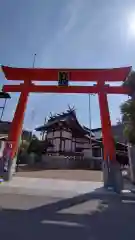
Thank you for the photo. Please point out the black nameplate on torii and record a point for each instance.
(63, 78)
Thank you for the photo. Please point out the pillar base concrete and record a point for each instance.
(112, 176)
(8, 174)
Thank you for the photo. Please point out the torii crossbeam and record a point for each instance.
(100, 76)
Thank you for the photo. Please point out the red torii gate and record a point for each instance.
(76, 75)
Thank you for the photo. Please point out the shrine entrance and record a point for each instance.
(64, 77)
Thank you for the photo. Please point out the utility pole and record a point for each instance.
(34, 59)
(33, 111)
(90, 121)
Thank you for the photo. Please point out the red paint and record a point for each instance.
(69, 89)
(108, 141)
(99, 75)
(83, 75)
(17, 122)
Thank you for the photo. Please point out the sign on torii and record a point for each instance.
(64, 77)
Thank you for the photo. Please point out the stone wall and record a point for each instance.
(61, 162)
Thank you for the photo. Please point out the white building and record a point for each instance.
(66, 134)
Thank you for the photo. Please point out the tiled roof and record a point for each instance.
(70, 118)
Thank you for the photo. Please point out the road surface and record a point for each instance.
(85, 217)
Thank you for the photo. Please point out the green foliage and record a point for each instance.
(116, 139)
(128, 119)
(130, 83)
(129, 132)
(128, 110)
(33, 146)
(24, 146)
(38, 146)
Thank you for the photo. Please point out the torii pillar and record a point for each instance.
(112, 175)
(16, 128)
(17, 122)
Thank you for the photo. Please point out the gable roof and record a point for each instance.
(57, 118)
(69, 118)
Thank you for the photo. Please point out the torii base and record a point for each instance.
(112, 176)
(7, 175)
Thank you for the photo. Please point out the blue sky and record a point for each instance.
(66, 33)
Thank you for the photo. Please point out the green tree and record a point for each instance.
(24, 145)
(128, 110)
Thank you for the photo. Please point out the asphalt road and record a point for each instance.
(89, 216)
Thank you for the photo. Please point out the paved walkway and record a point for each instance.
(70, 174)
(51, 187)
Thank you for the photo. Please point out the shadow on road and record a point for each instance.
(107, 217)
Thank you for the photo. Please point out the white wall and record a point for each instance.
(68, 145)
(62, 145)
(79, 145)
(73, 146)
(87, 153)
(66, 134)
(56, 143)
(57, 134)
(83, 142)
(49, 135)
(86, 145)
